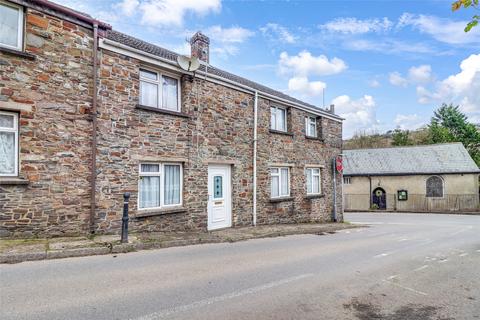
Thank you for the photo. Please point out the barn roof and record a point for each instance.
(429, 159)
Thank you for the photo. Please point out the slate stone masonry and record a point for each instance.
(53, 95)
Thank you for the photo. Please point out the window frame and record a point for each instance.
(16, 131)
(159, 84)
(276, 108)
(443, 187)
(161, 175)
(308, 122)
(319, 175)
(279, 175)
(20, 24)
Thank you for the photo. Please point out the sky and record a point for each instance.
(384, 64)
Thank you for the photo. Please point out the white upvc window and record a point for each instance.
(280, 182)
(311, 127)
(8, 144)
(313, 181)
(159, 90)
(278, 118)
(11, 25)
(160, 185)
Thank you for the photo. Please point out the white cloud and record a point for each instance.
(409, 121)
(128, 7)
(389, 46)
(360, 114)
(224, 41)
(233, 34)
(356, 26)
(304, 64)
(420, 74)
(172, 12)
(396, 79)
(443, 30)
(276, 32)
(462, 88)
(374, 83)
(303, 86)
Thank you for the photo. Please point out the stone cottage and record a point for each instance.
(88, 113)
(440, 177)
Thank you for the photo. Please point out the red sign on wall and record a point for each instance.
(339, 163)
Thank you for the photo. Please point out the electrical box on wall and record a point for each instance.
(402, 195)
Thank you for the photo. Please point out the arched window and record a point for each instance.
(434, 187)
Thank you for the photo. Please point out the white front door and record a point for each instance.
(219, 197)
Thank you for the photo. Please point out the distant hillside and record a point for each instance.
(382, 140)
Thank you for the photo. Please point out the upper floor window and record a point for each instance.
(8, 144)
(160, 185)
(280, 182)
(11, 26)
(347, 180)
(159, 90)
(278, 118)
(311, 127)
(313, 181)
(434, 187)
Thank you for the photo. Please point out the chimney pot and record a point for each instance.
(200, 46)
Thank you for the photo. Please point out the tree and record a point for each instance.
(401, 138)
(449, 124)
(473, 4)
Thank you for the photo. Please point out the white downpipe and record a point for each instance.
(255, 116)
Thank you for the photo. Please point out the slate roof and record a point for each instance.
(429, 159)
(170, 55)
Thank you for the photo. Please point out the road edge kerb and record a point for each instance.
(115, 248)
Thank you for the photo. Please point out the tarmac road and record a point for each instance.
(404, 266)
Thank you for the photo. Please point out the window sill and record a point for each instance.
(314, 196)
(313, 138)
(281, 132)
(163, 111)
(281, 199)
(159, 212)
(13, 181)
(17, 53)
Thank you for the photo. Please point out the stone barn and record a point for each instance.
(441, 177)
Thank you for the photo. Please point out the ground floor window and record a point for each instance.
(160, 185)
(280, 182)
(8, 144)
(313, 180)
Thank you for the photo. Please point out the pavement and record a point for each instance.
(20, 250)
(403, 266)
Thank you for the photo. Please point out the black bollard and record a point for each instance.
(126, 197)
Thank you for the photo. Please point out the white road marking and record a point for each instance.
(382, 255)
(407, 288)
(201, 303)
(404, 239)
(421, 268)
(461, 230)
(463, 254)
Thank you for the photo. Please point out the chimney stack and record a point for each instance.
(200, 45)
(332, 109)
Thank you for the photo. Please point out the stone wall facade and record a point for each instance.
(51, 89)
(53, 95)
